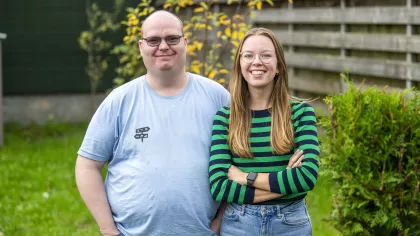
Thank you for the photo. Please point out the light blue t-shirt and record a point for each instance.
(158, 151)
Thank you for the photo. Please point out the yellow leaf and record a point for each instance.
(259, 5)
(238, 17)
(235, 43)
(198, 9)
(253, 15)
(195, 62)
(195, 69)
(126, 38)
(223, 71)
(240, 35)
(228, 32)
(212, 74)
(199, 45)
(219, 33)
(167, 5)
(191, 48)
(218, 45)
(209, 27)
(186, 27)
(235, 35)
(291, 1)
(202, 26)
(251, 4)
(221, 81)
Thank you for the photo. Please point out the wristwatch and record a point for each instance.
(250, 178)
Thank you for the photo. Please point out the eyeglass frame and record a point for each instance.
(160, 40)
(259, 56)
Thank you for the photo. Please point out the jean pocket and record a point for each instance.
(297, 217)
(230, 213)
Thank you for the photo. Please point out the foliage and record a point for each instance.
(92, 41)
(372, 152)
(212, 34)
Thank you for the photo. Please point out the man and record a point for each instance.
(155, 134)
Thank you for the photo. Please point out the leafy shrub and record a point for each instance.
(372, 152)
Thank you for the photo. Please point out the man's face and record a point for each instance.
(170, 54)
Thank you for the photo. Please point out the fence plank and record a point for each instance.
(318, 85)
(379, 68)
(374, 42)
(355, 15)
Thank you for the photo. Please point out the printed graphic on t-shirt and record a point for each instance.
(141, 133)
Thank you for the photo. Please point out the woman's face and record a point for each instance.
(258, 61)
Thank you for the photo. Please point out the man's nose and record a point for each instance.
(163, 46)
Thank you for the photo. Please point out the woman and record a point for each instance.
(255, 142)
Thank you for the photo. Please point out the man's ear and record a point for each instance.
(140, 47)
(185, 40)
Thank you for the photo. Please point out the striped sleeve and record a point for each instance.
(223, 189)
(303, 178)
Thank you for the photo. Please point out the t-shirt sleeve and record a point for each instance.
(226, 98)
(102, 133)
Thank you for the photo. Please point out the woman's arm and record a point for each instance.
(223, 189)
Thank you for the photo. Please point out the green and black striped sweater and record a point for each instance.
(292, 183)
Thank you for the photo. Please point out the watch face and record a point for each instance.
(252, 176)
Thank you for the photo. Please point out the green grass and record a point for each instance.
(38, 194)
(319, 203)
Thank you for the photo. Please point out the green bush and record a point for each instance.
(372, 152)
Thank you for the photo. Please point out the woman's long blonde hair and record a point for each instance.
(281, 136)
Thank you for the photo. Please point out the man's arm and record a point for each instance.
(217, 221)
(92, 190)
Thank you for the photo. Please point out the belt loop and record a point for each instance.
(242, 209)
(278, 211)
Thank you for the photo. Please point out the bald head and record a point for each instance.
(161, 16)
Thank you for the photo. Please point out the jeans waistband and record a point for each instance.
(278, 209)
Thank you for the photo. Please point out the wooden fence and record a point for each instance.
(321, 42)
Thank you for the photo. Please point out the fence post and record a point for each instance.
(2, 37)
(409, 55)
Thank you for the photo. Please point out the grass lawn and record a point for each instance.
(38, 194)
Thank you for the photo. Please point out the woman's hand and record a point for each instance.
(296, 160)
(237, 175)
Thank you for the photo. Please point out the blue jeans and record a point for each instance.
(290, 219)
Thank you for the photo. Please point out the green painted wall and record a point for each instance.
(41, 54)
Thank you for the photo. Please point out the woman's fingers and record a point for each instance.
(294, 159)
(298, 162)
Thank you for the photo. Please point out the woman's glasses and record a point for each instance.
(265, 56)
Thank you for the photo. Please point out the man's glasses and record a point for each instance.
(265, 56)
(170, 40)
